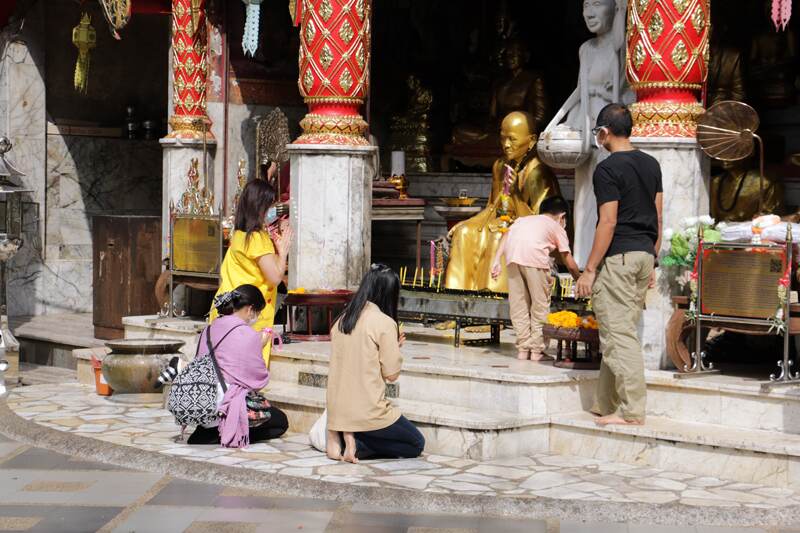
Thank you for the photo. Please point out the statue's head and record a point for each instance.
(517, 135)
(517, 54)
(599, 15)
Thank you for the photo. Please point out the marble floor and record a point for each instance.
(76, 409)
(43, 491)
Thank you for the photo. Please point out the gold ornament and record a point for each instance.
(345, 80)
(681, 5)
(656, 27)
(639, 55)
(84, 38)
(117, 13)
(680, 55)
(325, 10)
(308, 80)
(698, 19)
(326, 56)
(346, 32)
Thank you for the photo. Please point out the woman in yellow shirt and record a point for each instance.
(253, 257)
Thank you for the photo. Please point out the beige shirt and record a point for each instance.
(359, 364)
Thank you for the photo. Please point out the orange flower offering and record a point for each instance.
(568, 319)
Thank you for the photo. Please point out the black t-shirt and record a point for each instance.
(632, 179)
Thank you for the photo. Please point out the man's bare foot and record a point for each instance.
(350, 448)
(523, 355)
(616, 420)
(333, 446)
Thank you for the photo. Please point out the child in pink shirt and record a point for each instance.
(527, 247)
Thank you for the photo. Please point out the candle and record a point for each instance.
(433, 256)
(509, 171)
(422, 277)
(416, 273)
(398, 163)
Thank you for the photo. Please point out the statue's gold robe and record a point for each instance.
(475, 241)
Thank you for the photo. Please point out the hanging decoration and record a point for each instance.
(781, 13)
(250, 36)
(117, 13)
(84, 38)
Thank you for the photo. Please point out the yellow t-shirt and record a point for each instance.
(359, 364)
(240, 267)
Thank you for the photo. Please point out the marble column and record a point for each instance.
(331, 208)
(32, 287)
(685, 176)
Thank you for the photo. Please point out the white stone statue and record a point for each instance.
(601, 81)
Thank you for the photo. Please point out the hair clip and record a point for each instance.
(224, 299)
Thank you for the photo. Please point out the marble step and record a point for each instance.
(748, 456)
(478, 434)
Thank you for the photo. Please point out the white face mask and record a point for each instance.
(271, 216)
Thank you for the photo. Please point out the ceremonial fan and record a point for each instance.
(727, 132)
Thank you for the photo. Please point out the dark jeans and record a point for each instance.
(402, 439)
(271, 429)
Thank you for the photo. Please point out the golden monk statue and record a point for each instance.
(735, 191)
(521, 90)
(474, 242)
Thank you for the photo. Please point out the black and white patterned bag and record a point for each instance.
(193, 395)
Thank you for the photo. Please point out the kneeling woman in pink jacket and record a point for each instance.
(238, 348)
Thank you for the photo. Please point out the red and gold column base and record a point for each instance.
(190, 128)
(663, 119)
(333, 129)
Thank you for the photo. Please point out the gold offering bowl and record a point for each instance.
(461, 201)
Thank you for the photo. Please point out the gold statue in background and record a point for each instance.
(521, 90)
(411, 130)
(735, 191)
(474, 242)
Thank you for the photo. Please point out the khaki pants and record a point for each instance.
(617, 299)
(529, 292)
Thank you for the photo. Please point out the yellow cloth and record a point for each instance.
(475, 241)
(240, 267)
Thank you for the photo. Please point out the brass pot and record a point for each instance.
(134, 364)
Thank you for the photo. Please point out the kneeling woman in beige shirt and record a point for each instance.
(365, 355)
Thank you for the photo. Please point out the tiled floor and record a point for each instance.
(76, 409)
(44, 491)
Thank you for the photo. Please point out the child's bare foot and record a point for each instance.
(523, 355)
(616, 420)
(333, 446)
(350, 448)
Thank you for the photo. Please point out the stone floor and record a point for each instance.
(43, 491)
(76, 409)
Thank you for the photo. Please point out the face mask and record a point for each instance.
(252, 320)
(272, 215)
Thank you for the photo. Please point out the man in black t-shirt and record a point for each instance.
(620, 267)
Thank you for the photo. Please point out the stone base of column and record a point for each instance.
(178, 155)
(685, 177)
(331, 211)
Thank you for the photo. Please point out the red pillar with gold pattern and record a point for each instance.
(189, 63)
(334, 69)
(667, 65)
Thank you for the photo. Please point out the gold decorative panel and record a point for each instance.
(326, 56)
(345, 80)
(639, 55)
(698, 19)
(311, 31)
(308, 79)
(196, 244)
(681, 5)
(325, 10)
(346, 32)
(656, 27)
(741, 283)
(680, 55)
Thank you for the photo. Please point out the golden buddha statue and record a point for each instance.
(725, 78)
(521, 90)
(411, 130)
(474, 242)
(735, 191)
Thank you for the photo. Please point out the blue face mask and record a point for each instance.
(272, 215)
